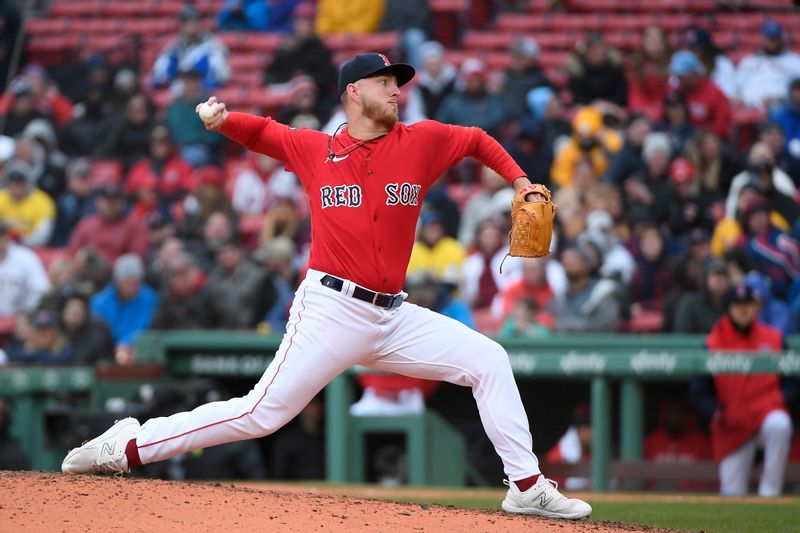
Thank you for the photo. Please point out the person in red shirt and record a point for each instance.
(677, 439)
(574, 446)
(748, 410)
(709, 108)
(110, 231)
(163, 173)
(365, 184)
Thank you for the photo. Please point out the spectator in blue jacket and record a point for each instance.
(126, 304)
(788, 117)
(192, 49)
(774, 311)
(244, 15)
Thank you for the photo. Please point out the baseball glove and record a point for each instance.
(532, 223)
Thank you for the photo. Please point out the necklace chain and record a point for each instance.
(352, 147)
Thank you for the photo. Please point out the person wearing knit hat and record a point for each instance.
(590, 139)
(436, 81)
(127, 303)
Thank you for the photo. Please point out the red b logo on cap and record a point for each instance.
(385, 60)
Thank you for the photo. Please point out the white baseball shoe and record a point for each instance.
(543, 499)
(104, 454)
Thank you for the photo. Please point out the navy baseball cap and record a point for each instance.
(366, 65)
(741, 293)
(772, 29)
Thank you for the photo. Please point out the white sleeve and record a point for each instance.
(725, 76)
(733, 194)
(415, 111)
(41, 235)
(37, 281)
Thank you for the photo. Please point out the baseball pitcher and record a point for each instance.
(366, 184)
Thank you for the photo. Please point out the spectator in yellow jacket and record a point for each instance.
(435, 252)
(353, 16)
(590, 140)
(28, 210)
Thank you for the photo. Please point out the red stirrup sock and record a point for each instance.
(524, 484)
(132, 454)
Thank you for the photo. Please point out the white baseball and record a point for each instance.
(207, 111)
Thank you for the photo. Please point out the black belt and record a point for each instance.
(390, 301)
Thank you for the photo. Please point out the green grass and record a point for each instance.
(731, 517)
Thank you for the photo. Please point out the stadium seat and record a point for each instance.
(486, 322)
(49, 255)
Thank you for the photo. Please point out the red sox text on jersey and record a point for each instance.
(364, 207)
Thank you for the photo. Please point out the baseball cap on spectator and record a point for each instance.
(699, 236)
(697, 37)
(366, 65)
(684, 63)
(772, 30)
(656, 143)
(44, 319)
(157, 220)
(128, 266)
(741, 293)
(111, 191)
(681, 171)
(538, 99)
(430, 217)
(525, 47)
(189, 12)
(473, 67)
(208, 175)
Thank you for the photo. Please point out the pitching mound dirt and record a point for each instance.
(52, 503)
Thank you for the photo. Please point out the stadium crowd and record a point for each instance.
(663, 201)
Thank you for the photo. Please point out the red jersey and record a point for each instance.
(744, 400)
(366, 200)
(709, 108)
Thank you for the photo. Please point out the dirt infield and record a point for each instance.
(44, 502)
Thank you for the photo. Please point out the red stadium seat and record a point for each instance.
(48, 256)
(485, 322)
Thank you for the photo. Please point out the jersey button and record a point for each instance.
(368, 158)
(369, 173)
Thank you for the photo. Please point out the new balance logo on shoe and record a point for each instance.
(108, 448)
(544, 501)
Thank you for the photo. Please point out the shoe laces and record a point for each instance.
(551, 487)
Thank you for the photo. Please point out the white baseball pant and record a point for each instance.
(775, 436)
(330, 331)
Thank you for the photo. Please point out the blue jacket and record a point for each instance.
(126, 318)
